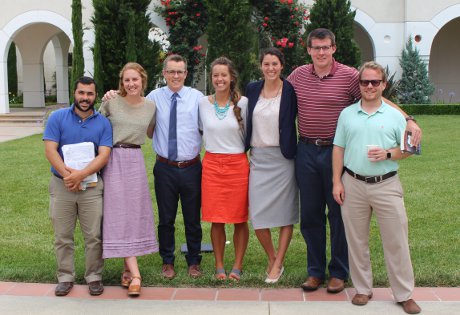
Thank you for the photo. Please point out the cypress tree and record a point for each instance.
(97, 59)
(12, 71)
(114, 33)
(231, 34)
(336, 16)
(131, 38)
(415, 86)
(78, 63)
(148, 52)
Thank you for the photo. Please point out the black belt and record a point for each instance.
(318, 142)
(179, 164)
(371, 179)
(58, 176)
(126, 146)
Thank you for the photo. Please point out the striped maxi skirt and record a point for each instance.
(128, 224)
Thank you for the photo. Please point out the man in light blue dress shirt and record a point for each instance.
(178, 177)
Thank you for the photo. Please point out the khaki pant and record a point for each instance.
(65, 207)
(385, 200)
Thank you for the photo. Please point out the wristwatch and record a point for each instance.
(388, 155)
(410, 117)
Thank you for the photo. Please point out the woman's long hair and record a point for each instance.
(235, 94)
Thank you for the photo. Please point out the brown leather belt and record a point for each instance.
(371, 179)
(317, 142)
(126, 146)
(179, 164)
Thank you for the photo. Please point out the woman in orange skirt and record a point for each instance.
(225, 165)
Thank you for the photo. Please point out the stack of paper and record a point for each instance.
(78, 156)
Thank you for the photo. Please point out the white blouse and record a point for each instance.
(222, 135)
(265, 122)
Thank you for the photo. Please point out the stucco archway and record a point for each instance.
(364, 41)
(31, 31)
(445, 50)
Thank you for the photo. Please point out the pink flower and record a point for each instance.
(198, 14)
(290, 45)
(264, 24)
(266, 18)
(283, 42)
(290, 1)
(278, 43)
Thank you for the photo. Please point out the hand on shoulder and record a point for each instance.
(109, 95)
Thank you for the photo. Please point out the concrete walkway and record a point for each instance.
(21, 122)
(37, 299)
(17, 131)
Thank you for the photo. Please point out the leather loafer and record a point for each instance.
(194, 271)
(95, 287)
(335, 285)
(361, 299)
(168, 271)
(410, 307)
(311, 284)
(63, 288)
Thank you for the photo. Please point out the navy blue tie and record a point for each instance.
(172, 138)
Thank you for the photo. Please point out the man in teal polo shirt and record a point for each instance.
(365, 181)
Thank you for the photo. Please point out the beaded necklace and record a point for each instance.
(221, 112)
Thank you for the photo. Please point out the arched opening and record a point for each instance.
(39, 79)
(364, 41)
(31, 32)
(445, 50)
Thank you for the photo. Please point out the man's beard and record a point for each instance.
(77, 105)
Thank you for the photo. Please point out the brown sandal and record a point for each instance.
(135, 289)
(126, 280)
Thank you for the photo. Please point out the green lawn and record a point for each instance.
(432, 195)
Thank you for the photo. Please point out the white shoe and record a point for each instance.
(275, 280)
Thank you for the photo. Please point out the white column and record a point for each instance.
(33, 93)
(4, 100)
(61, 48)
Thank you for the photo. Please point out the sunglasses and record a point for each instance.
(375, 83)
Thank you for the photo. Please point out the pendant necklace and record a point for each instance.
(221, 112)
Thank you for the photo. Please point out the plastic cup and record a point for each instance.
(371, 147)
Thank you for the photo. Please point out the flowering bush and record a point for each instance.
(280, 23)
(187, 20)
(283, 22)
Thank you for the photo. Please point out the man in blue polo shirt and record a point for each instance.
(70, 199)
(365, 181)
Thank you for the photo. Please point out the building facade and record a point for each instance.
(42, 32)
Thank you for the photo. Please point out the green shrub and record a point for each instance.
(431, 109)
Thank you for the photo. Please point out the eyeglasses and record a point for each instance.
(174, 72)
(365, 83)
(319, 48)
